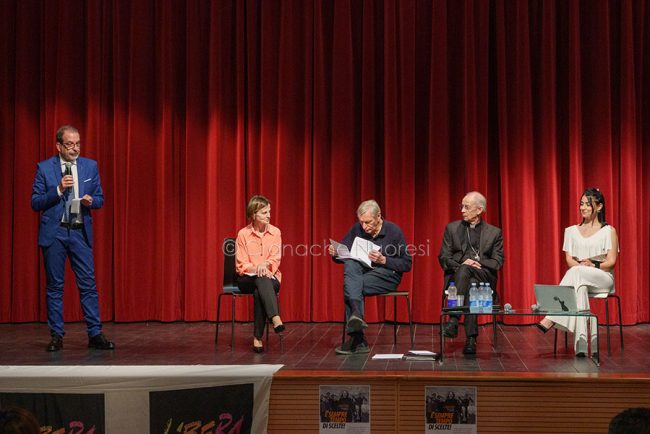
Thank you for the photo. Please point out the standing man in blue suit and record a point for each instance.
(66, 188)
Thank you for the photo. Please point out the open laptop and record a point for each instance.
(556, 298)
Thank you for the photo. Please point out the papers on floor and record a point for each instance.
(387, 357)
(413, 355)
(359, 252)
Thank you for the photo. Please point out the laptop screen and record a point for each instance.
(556, 298)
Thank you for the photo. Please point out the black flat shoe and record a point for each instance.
(258, 350)
(541, 327)
(581, 355)
(279, 328)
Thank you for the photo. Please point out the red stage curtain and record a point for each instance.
(192, 107)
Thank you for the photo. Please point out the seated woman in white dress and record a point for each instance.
(591, 248)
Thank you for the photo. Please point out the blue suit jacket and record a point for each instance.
(46, 199)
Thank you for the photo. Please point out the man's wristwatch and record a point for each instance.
(597, 264)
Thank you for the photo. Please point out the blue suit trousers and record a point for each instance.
(73, 244)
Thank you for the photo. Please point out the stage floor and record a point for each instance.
(310, 346)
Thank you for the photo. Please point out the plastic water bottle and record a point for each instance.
(488, 300)
(481, 297)
(452, 295)
(473, 298)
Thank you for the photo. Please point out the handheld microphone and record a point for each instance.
(68, 170)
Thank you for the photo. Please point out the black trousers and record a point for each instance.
(464, 276)
(264, 290)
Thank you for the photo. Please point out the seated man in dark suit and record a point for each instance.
(471, 251)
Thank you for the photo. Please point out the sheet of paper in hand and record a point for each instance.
(359, 252)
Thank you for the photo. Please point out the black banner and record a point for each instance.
(62, 413)
(218, 410)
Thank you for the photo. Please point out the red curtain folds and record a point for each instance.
(192, 107)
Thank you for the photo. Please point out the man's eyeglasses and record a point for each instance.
(462, 206)
(70, 145)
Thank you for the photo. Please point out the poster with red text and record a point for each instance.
(344, 409)
(450, 409)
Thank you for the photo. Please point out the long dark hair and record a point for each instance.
(595, 197)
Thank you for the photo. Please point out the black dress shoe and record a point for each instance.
(258, 350)
(100, 342)
(55, 344)
(470, 346)
(450, 329)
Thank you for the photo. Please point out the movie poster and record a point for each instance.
(345, 409)
(450, 409)
(220, 409)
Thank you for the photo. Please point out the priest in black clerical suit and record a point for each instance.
(471, 251)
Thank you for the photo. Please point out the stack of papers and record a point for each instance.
(413, 355)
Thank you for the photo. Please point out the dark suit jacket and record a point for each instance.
(46, 199)
(455, 245)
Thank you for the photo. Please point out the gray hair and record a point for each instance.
(369, 205)
(478, 199)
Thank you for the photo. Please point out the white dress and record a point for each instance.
(585, 280)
